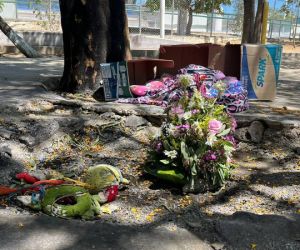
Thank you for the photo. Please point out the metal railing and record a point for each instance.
(143, 21)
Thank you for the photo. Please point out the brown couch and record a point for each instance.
(225, 58)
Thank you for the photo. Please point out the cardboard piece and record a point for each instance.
(260, 70)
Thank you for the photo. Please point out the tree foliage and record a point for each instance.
(289, 5)
(43, 11)
(198, 6)
(187, 8)
(237, 25)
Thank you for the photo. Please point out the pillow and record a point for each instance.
(139, 90)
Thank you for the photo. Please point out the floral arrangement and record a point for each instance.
(196, 141)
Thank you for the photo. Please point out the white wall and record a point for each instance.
(9, 11)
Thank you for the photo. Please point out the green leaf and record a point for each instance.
(194, 170)
(166, 162)
(172, 175)
(228, 148)
(224, 132)
(167, 145)
(221, 174)
(201, 150)
(184, 150)
(174, 144)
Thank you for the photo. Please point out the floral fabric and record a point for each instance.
(233, 97)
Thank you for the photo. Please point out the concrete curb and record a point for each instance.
(290, 55)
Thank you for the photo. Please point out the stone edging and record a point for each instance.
(290, 55)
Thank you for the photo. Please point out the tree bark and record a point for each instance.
(190, 22)
(182, 22)
(128, 55)
(258, 22)
(248, 24)
(94, 32)
(24, 47)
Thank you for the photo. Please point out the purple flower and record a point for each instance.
(210, 156)
(231, 139)
(195, 111)
(183, 128)
(233, 124)
(178, 110)
(215, 126)
(158, 146)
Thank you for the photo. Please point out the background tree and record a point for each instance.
(186, 9)
(291, 8)
(43, 10)
(252, 21)
(237, 25)
(94, 32)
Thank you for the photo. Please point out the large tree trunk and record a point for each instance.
(94, 32)
(258, 22)
(182, 22)
(252, 25)
(25, 48)
(190, 22)
(249, 15)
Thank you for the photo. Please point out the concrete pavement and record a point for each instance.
(21, 78)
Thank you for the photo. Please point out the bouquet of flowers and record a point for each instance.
(196, 141)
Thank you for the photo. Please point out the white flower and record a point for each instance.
(211, 139)
(185, 80)
(187, 115)
(171, 154)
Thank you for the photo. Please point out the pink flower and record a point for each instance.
(195, 111)
(233, 124)
(203, 90)
(215, 126)
(231, 139)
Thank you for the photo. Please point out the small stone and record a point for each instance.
(242, 134)
(5, 151)
(37, 106)
(6, 134)
(134, 121)
(38, 174)
(27, 140)
(297, 150)
(217, 246)
(256, 131)
(110, 116)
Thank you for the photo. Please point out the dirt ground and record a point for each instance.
(266, 180)
(40, 135)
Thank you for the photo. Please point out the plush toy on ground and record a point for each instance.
(65, 197)
(101, 176)
(58, 201)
